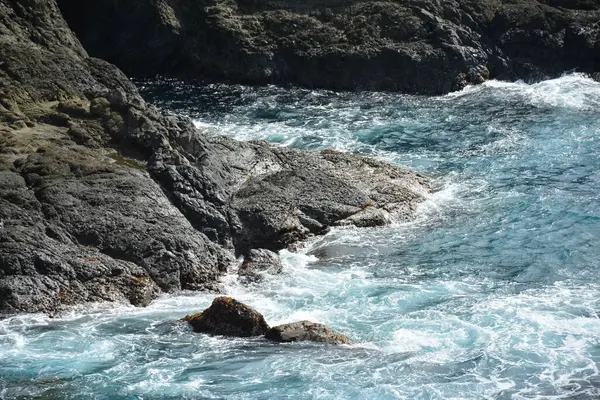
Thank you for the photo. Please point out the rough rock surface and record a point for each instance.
(305, 331)
(257, 263)
(424, 46)
(103, 197)
(228, 317)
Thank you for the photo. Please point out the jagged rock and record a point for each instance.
(228, 317)
(475, 76)
(79, 225)
(74, 107)
(259, 262)
(105, 198)
(305, 331)
(416, 46)
(478, 74)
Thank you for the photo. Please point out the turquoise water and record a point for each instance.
(492, 293)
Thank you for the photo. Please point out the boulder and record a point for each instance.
(306, 331)
(228, 317)
(259, 262)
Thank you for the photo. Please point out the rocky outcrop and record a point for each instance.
(258, 263)
(305, 331)
(104, 198)
(415, 46)
(228, 317)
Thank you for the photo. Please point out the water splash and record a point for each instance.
(489, 294)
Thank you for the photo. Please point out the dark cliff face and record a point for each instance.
(415, 46)
(104, 198)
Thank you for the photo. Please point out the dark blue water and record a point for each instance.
(492, 293)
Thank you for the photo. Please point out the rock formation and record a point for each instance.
(228, 317)
(414, 46)
(305, 331)
(104, 198)
(257, 263)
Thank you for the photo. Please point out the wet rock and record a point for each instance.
(367, 217)
(259, 262)
(306, 331)
(228, 317)
(272, 206)
(475, 76)
(479, 74)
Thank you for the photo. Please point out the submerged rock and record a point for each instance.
(259, 262)
(306, 331)
(228, 317)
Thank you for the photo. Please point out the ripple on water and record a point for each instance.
(491, 293)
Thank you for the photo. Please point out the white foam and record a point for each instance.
(577, 91)
(201, 124)
(413, 341)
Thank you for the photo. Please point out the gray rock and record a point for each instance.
(228, 317)
(105, 198)
(306, 331)
(415, 46)
(319, 189)
(81, 224)
(258, 263)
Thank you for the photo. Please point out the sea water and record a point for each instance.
(493, 292)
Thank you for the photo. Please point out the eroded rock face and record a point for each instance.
(301, 193)
(306, 331)
(228, 317)
(81, 221)
(415, 46)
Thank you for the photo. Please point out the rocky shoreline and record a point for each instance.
(103, 197)
(411, 46)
